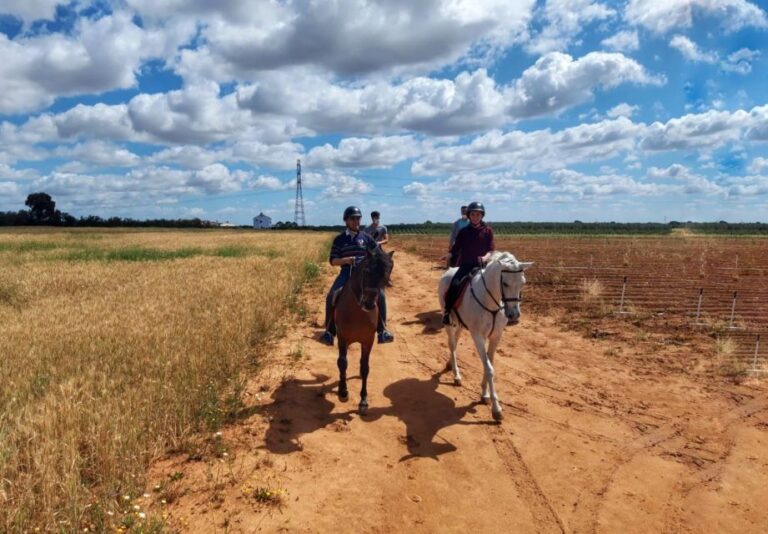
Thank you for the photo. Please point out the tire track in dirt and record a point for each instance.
(545, 516)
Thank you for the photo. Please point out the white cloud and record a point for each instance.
(660, 16)
(691, 51)
(100, 55)
(352, 152)
(710, 129)
(31, 10)
(271, 183)
(99, 154)
(740, 61)
(557, 81)
(758, 165)
(335, 184)
(565, 20)
(623, 41)
(622, 110)
(347, 37)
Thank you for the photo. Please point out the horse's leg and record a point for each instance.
(493, 344)
(453, 341)
(488, 375)
(365, 353)
(342, 363)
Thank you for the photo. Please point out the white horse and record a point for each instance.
(495, 288)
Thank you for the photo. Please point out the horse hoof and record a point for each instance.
(362, 409)
(343, 396)
(497, 416)
(457, 381)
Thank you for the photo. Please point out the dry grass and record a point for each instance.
(591, 291)
(110, 358)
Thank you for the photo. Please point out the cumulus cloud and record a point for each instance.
(98, 154)
(30, 10)
(622, 110)
(536, 150)
(565, 20)
(691, 51)
(100, 55)
(557, 81)
(271, 183)
(758, 165)
(347, 37)
(623, 41)
(710, 129)
(334, 184)
(740, 61)
(353, 152)
(662, 16)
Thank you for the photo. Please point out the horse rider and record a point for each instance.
(473, 247)
(349, 249)
(458, 225)
(377, 230)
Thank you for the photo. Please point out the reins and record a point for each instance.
(504, 299)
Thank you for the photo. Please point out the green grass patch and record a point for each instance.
(28, 246)
(231, 251)
(132, 254)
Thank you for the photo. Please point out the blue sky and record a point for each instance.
(549, 110)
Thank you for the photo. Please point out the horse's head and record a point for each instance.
(511, 273)
(375, 270)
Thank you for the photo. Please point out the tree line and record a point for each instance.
(42, 211)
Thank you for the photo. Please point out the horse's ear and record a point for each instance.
(526, 264)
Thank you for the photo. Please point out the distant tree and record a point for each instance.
(42, 209)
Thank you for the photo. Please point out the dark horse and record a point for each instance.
(356, 314)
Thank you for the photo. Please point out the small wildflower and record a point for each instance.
(142, 515)
(146, 495)
(162, 501)
(217, 435)
(110, 513)
(225, 454)
(136, 507)
(126, 497)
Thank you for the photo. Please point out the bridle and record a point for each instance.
(504, 298)
(363, 289)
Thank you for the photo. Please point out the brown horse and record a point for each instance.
(356, 314)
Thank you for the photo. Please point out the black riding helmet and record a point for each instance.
(352, 211)
(476, 206)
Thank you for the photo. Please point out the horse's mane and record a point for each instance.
(499, 257)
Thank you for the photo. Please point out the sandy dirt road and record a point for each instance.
(596, 437)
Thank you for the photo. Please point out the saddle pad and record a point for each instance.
(462, 289)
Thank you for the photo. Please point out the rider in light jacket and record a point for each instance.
(473, 247)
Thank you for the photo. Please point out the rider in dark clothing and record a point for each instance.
(348, 249)
(472, 248)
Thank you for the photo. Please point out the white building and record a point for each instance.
(262, 221)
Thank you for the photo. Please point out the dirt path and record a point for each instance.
(594, 439)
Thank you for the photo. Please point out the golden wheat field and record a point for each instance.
(117, 345)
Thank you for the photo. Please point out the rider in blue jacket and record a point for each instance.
(348, 249)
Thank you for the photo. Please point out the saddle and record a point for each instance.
(462, 289)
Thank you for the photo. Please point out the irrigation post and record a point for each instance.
(733, 311)
(621, 302)
(698, 308)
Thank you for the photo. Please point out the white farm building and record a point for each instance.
(262, 221)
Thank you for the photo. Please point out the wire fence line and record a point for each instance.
(716, 284)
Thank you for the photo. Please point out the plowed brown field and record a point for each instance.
(609, 432)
